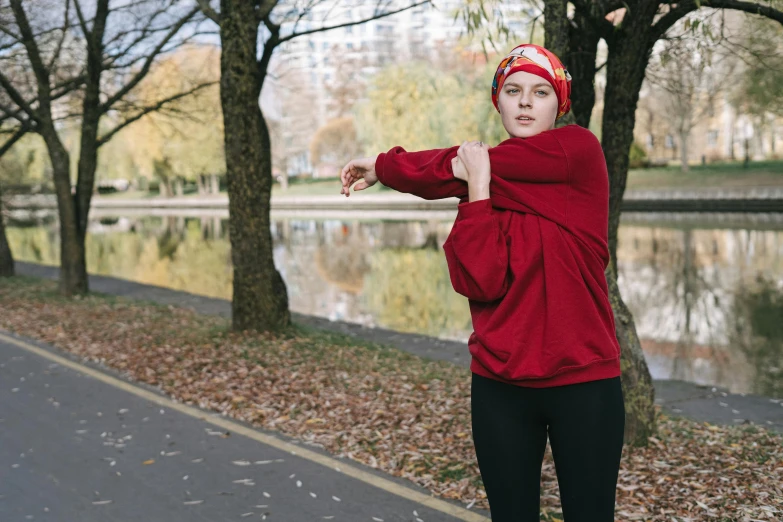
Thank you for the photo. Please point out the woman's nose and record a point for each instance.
(524, 100)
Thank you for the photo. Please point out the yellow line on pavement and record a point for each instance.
(329, 462)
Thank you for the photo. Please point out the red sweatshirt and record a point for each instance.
(531, 259)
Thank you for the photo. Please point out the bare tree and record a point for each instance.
(260, 299)
(109, 51)
(691, 76)
(14, 123)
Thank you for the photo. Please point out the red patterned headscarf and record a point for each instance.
(536, 60)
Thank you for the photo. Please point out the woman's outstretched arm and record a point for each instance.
(427, 174)
(540, 159)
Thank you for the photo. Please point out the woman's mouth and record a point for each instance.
(525, 120)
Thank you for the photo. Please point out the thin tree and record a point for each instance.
(260, 299)
(110, 58)
(7, 265)
(15, 133)
(691, 76)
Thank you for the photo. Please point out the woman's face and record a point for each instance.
(528, 105)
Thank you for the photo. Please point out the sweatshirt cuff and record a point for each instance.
(379, 166)
(474, 208)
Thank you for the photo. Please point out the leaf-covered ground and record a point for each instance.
(382, 407)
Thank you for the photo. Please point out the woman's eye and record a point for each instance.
(542, 93)
(512, 91)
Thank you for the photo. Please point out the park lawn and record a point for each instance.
(384, 408)
(723, 175)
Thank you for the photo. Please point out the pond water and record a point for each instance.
(706, 290)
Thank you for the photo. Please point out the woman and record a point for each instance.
(529, 249)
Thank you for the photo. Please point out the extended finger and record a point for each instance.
(345, 178)
(345, 173)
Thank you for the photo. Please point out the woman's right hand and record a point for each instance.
(360, 169)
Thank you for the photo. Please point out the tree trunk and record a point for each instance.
(732, 154)
(164, 189)
(556, 24)
(179, 187)
(215, 182)
(75, 253)
(73, 268)
(260, 299)
(556, 39)
(746, 160)
(7, 268)
(628, 57)
(638, 389)
(582, 49)
(684, 165)
(202, 188)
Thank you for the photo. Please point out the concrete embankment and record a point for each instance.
(708, 199)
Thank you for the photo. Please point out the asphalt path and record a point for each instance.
(78, 443)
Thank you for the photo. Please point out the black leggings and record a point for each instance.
(585, 423)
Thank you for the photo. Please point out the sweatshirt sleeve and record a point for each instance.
(535, 160)
(426, 174)
(477, 254)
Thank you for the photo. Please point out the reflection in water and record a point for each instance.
(694, 296)
(708, 302)
(758, 333)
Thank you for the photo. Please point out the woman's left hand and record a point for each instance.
(458, 169)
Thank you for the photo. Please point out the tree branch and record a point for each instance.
(148, 63)
(152, 108)
(34, 55)
(71, 84)
(269, 47)
(669, 19)
(208, 11)
(348, 24)
(5, 30)
(17, 98)
(59, 47)
(748, 7)
(10, 142)
(10, 113)
(145, 32)
(82, 20)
